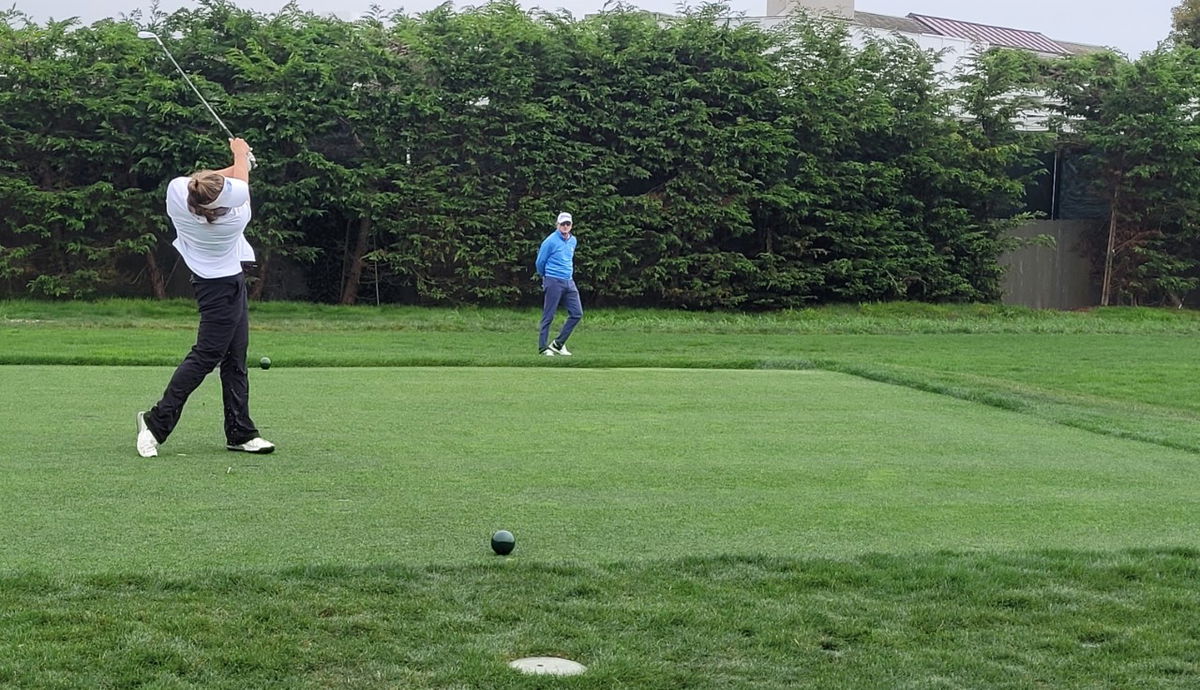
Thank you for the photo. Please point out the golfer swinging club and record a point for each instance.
(210, 211)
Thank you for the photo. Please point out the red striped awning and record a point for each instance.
(994, 35)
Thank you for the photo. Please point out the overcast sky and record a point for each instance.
(1132, 27)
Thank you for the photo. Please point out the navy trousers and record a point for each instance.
(222, 339)
(559, 291)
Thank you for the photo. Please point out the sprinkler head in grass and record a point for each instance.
(548, 665)
(503, 542)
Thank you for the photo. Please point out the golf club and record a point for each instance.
(148, 35)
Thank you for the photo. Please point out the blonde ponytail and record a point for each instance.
(204, 188)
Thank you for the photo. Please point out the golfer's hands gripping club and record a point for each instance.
(239, 147)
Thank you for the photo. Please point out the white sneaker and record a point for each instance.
(559, 349)
(254, 445)
(147, 445)
(547, 352)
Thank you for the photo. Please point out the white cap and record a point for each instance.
(564, 218)
(235, 194)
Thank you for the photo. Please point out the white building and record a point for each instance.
(958, 39)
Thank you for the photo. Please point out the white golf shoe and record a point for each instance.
(547, 352)
(254, 445)
(559, 349)
(147, 445)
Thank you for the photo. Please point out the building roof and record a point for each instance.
(993, 35)
(1080, 48)
(884, 22)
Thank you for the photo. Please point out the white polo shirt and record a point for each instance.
(210, 250)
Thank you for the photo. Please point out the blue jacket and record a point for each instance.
(556, 258)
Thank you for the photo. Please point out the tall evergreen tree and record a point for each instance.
(1136, 126)
(1185, 23)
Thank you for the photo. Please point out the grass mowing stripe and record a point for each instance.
(1164, 426)
(1047, 619)
(1154, 368)
(1144, 387)
(887, 318)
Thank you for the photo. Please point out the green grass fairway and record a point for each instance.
(1131, 373)
(814, 499)
(417, 466)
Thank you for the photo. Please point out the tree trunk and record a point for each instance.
(157, 284)
(354, 275)
(1109, 252)
(264, 269)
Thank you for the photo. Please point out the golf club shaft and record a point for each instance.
(249, 156)
(189, 83)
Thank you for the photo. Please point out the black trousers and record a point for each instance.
(222, 338)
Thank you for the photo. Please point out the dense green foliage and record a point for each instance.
(1137, 126)
(1185, 22)
(709, 163)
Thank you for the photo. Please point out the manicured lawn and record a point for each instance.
(418, 465)
(1132, 373)
(794, 500)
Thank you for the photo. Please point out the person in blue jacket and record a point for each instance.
(556, 266)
